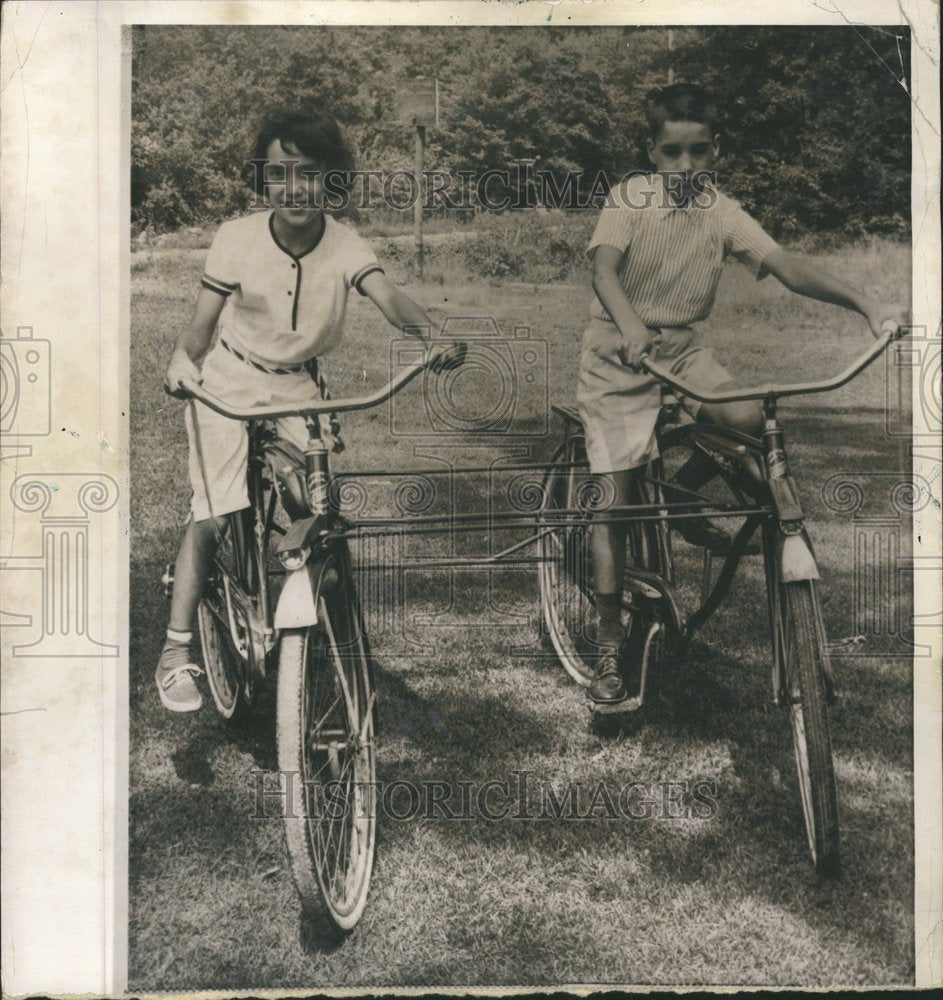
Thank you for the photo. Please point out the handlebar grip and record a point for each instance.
(895, 330)
(179, 393)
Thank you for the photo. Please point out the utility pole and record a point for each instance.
(417, 207)
(417, 101)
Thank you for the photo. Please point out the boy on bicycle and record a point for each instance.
(275, 285)
(658, 253)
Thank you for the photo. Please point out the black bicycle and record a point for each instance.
(754, 492)
(282, 591)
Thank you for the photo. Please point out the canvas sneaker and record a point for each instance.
(177, 689)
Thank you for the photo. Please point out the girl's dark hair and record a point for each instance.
(681, 102)
(314, 133)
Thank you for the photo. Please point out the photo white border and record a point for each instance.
(64, 97)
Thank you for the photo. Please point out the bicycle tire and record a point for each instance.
(326, 756)
(564, 581)
(565, 577)
(227, 660)
(804, 688)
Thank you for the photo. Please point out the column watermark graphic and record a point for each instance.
(64, 504)
(880, 506)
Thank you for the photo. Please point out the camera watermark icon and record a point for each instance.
(881, 505)
(25, 385)
(500, 390)
(913, 378)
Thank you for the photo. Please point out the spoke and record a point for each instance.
(319, 724)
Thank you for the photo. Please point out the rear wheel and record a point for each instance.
(326, 756)
(804, 669)
(229, 643)
(565, 569)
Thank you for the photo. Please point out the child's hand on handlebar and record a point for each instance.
(446, 357)
(633, 347)
(887, 317)
(180, 367)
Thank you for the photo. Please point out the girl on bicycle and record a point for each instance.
(275, 288)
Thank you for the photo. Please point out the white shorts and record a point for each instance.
(219, 481)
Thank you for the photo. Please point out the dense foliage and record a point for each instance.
(815, 121)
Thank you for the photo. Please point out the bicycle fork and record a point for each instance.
(788, 556)
(296, 606)
(793, 546)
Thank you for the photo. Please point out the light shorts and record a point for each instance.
(619, 407)
(224, 442)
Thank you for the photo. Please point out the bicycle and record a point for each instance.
(754, 488)
(325, 698)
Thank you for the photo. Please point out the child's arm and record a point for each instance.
(405, 314)
(194, 341)
(805, 279)
(636, 339)
(397, 306)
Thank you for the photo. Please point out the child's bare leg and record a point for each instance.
(608, 553)
(744, 416)
(175, 670)
(192, 568)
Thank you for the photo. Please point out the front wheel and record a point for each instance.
(804, 670)
(326, 757)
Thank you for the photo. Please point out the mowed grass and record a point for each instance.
(467, 693)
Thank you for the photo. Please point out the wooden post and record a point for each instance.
(417, 208)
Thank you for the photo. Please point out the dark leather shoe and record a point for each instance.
(702, 533)
(708, 536)
(607, 686)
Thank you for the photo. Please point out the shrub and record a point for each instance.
(528, 247)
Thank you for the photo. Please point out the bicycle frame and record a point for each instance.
(729, 451)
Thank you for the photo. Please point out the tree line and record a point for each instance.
(815, 122)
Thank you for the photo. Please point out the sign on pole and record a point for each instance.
(417, 100)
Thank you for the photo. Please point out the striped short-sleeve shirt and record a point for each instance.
(673, 256)
(283, 308)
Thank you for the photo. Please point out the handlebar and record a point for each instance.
(275, 411)
(763, 392)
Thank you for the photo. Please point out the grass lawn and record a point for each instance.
(467, 694)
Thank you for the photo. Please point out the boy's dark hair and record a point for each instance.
(313, 132)
(681, 102)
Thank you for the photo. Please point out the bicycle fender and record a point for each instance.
(296, 607)
(796, 558)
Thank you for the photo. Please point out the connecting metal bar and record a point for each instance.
(395, 527)
(462, 470)
(456, 562)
